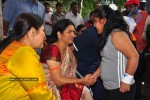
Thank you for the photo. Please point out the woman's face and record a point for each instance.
(99, 24)
(39, 38)
(68, 35)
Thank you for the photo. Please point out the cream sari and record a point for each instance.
(68, 70)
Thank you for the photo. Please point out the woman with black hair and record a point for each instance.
(60, 64)
(119, 57)
(21, 74)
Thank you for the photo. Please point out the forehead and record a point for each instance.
(129, 6)
(74, 6)
(96, 19)
(59, 7)
(70, 27)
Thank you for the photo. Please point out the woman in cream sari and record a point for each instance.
(59, 61)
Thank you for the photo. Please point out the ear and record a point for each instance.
(103, 20)
(31, 32)
(59, 35)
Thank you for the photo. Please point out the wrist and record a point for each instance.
(127, 78)
(80, 81)
(77, 81)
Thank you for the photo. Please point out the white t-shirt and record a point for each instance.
(77, 20)
(48, 28)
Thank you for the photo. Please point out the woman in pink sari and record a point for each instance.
(59, 61)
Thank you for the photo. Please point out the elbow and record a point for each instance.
(136, 57)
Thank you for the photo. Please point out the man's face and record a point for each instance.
(74, 9)
(59, 9)
(130, 7)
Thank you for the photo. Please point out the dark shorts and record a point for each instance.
(117, 95)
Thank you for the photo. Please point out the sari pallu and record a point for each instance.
(68, 70)
(19, 66)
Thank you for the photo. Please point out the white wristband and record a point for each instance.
(127, 78)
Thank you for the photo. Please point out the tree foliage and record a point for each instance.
(87, 4)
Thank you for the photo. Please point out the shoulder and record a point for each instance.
(54, 14)
(119, 37)
(40, 5)
(26, 51)
(90, 30)
(118, 33)
(50, 53)
(148, 18)
(53, 48)
(79, 15)
(69, 14)
(25, 54)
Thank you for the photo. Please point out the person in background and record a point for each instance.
(118, 63)
(143, 5)
(21, 73)
(131, 6)
(13, 8)
(59, 61)
(73, 15)
(58, 15)
(48, 23)
(91, 20)
(80, 28)
(145, 28)
(95, 5)
(146, 59)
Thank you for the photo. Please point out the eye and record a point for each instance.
(74, 32)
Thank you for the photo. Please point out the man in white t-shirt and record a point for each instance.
(73, 15)
(48, 23)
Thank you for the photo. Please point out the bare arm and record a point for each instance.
(123, 44)
(59, 80)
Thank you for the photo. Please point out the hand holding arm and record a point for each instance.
(95, 75)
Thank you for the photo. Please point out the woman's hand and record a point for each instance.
(86, 80)
(124, 87)
(95, 75)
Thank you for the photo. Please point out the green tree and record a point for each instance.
(85, 6)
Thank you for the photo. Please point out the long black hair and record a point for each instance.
(60, 26)
(114, 21)
(23, 23)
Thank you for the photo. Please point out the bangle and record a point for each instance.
(127, 78)
(55, 68)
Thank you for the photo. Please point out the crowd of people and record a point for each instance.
(46, 55)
